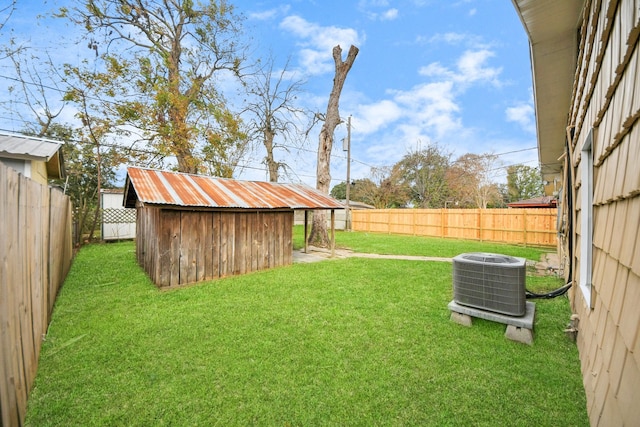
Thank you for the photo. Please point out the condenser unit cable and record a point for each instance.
(556, 293)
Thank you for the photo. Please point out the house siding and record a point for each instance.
(606, 99)
(39, 172)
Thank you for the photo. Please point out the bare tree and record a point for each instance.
(319, 235)
(273, 111)
(36, 96)
(6, 12)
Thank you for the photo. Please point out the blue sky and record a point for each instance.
(455, 73)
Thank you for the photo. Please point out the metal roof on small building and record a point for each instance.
(156, 187)
(536, 202)
(26, 147)
(31, 148)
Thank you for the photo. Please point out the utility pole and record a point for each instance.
(347, 217)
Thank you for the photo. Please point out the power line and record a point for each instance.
(516, 151)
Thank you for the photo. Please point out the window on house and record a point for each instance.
(586, 218)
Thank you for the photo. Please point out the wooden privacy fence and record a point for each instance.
(35, 256)
(536, 227)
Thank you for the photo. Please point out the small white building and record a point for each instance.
(118, 222)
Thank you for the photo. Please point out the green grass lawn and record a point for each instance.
(395, 244)
(341, 342)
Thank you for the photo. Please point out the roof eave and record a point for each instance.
(551, 26)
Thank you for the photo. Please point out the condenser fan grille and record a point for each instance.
(491, 282)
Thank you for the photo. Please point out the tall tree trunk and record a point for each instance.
(272, 165)
(319, 235)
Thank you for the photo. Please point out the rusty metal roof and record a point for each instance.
(536, 202)
(156, 187)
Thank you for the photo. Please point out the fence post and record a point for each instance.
(413, 222)
(524, 227)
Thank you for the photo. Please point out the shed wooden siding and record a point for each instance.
(178, 247)
(192, 228)
(606, 98)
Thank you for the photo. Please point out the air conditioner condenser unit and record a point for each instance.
(491, 282)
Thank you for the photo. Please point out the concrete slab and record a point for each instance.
(519, 329)
(525, 321)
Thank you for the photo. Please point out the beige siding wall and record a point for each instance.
(39, 172)
(607, 99)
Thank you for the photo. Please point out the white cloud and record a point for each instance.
(318, 42)
(432, 106)
(522, 114)
(449, 38)
(371, 118)
(371, 8)
(472, 67)
(389, 15)
(372, 3)
(266, 15)
(428, 109)
(435, 69)
(457, 39)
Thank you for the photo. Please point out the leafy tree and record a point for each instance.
(339, 191)
(523, 182)
(470, 181)
(366, 191)
(385, 189)
(462, 184)
(385, 194)
(169, 55)
(422, 172)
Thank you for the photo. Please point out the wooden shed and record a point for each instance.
(192, 228)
